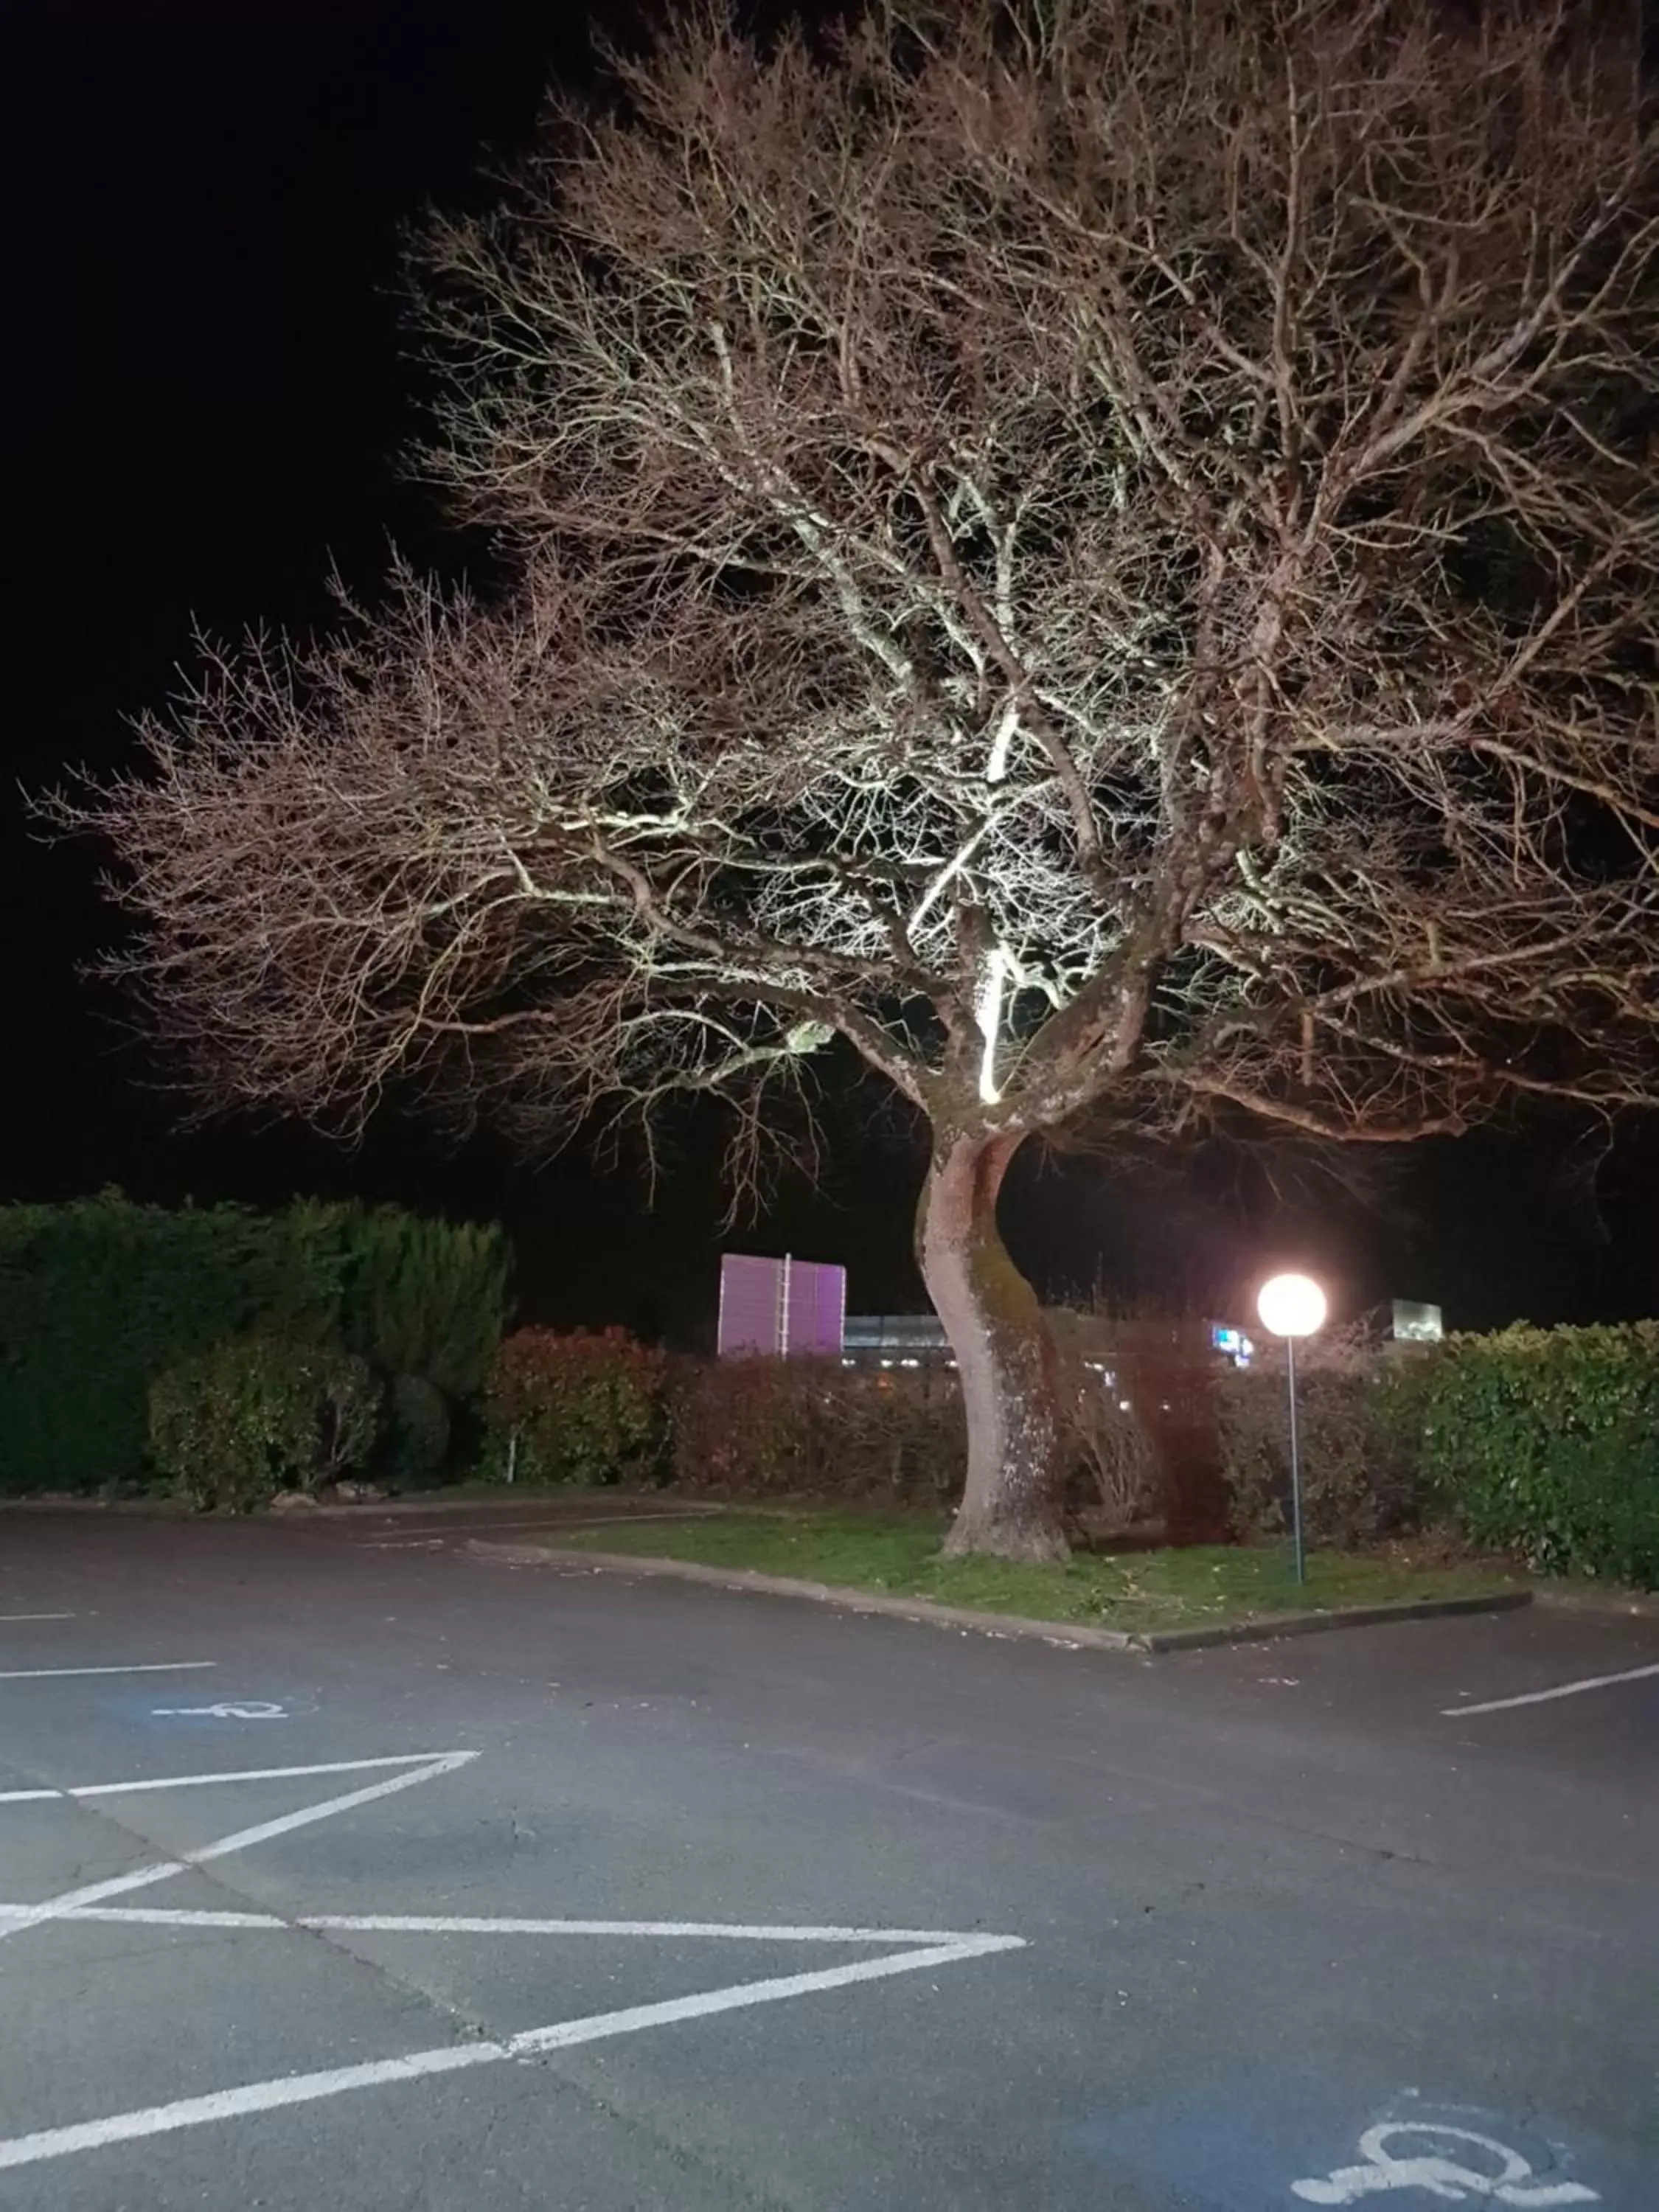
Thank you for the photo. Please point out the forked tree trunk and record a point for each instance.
(1005, 1357)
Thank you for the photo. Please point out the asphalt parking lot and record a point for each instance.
(340, 1866)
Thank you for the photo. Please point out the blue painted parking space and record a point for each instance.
(1315, 2135)
(196, 1706)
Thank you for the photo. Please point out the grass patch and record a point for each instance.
(898, 1553)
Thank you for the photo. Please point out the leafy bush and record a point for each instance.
(1114, 1474)
(418, 1429)
(347, 1397)
(584, 1408)
(1358, 1425)
(423, 1297)
(423, 1302)
(233, 1425)
(813, 1427)
(1138, 1402)
(748, 1426)
(1547, 1441)
(99, 1297)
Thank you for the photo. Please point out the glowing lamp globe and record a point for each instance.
(1291, 1306)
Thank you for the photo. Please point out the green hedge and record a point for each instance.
(100, 1296)
(585, 1407)
(601, 1408)
(1546, 1442)
(422, 1297)
(231, 1427)
(748, 1427)
(1360, 1433)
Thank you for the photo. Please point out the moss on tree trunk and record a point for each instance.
(1011, 1506)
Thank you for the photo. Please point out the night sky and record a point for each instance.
(205, 394)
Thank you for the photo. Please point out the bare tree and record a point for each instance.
(1101, 554)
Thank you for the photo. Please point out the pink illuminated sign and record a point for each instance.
(784, 1306)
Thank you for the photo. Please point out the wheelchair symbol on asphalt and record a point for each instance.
(1446, 2177)
(255, 1709)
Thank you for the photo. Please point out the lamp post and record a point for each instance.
(1292, 1306)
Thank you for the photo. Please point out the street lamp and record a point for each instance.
(1292, 1306)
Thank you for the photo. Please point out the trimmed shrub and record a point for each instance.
(1113, 1480)
(1113, 1477)
(812, 1427)
(748, 1426)
(1546, 1442)
(423, 1302)
(585, 1407)
(233, 1425)
(347, 1397)
(100, 1296)
(1358, 1424)
(422, 1297)
(1160, 1455)
(418, 1431)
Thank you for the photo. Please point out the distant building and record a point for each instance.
(896, 1341)
(1417, 1323)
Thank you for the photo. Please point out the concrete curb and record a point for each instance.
(559, 1504)
(1272, 1626)
(369, 1509)
(1622, 1604)
(851, 1600)
(1072, 1635)
(527, 1501)
(136, 1508)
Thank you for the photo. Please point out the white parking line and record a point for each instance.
(1545, 1697)
(924, 1950)
(203, 1780)
(449, 2059)
(154, 1667)
(408, 1923)
(6, 1618)
(58, 1907)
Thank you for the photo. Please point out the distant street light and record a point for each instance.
(1292, 1306)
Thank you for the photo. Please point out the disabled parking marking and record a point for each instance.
(255, 1708)
(234, 1700)
(1239, 2141)
(1515, 2185)
(922, 1951)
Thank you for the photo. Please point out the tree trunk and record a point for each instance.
(1005, 1357)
